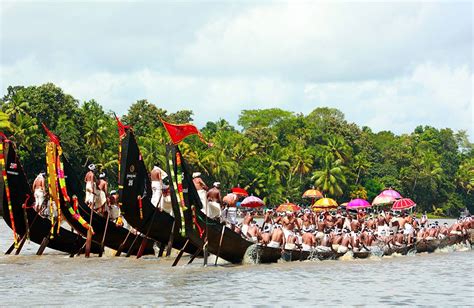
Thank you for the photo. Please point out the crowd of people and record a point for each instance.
(342, 230)
(329, 230)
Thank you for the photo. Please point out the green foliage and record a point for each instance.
(277, 155)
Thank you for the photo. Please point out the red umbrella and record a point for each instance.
(240, 191)
(252, 202)
(288, 207)
(403, 204)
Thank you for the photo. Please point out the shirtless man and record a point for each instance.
(214, 201)
(336, 239)
(339, 221)
(157, 175)
(253, 232)
(399, 238)
(345, 242)
(320, 225)
(278, 237)
(308, 239)
(266, 235)
(289, 222)
(102, 198)
(246, 223)
(40, 192)
(90, 185)
(201, 188)
(291, 241)
(355, 225)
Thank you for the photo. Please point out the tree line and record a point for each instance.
(274, 154)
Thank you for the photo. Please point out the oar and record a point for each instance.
(9, 251)
(129, 252)
(20, 246)
(87, 251)
(141, 250)
(198, 251)
(103, 237)
(120, 249)
(43, 245)
(180, 254)
(171, 239)
(220, 244)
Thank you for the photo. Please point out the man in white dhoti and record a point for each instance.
(101, 199)
(157, 175)
(214, 201)
(90, 185)
(201, 188)
(39, 191)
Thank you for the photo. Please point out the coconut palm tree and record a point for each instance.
(5, 121)
(16, 106)
(361, 165)
(331, 176)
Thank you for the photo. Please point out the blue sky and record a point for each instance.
(386, 65)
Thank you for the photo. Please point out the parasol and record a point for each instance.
(240, 192)
(403, 204)
(230, 199)
(358, 204)
(252, 202)
(288, 207)
(312, 194)
(381, 200)
(391, 193)
(324, 203)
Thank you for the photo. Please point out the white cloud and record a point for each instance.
(386, 65)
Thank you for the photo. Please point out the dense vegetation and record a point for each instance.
(277, 155)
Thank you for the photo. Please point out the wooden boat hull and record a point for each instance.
(38, 226)
(427, 245)
(135, 199)
(115, 236)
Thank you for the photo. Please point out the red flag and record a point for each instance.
(121, 127)
(52, 137)
(178, 132)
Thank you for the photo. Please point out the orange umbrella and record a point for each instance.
(313, 194)
(288, 207)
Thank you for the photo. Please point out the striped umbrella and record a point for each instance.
(403, 204)
(288, 207)
(252, 202)
(391, 193)
(312, 194)
(358, 204)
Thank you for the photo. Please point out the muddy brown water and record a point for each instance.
(439, 279)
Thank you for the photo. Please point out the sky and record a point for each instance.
(386, 65)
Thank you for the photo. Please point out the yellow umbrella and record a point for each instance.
(324, 203)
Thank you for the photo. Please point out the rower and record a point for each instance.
(278, 237)
(266, 235)
(201, 188)
(114, 209)
(308, 239)
(246, 223)
(90, 185)
(214, 201)
(39, 191)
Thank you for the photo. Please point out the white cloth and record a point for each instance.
(342, 249)
(213, 209)
(306, 247)
(290, 246)
(100, 200)
(203, 196)
(408, 229)
(90, 188)
(114, 211)
(232, 215)
(274, 244)
(157, 191)
(39, 199)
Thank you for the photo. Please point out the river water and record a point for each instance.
(439, 279)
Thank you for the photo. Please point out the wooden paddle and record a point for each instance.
(103, 237)
(220, 244)
(180, 254)
(43, 245)
(120, 249)
(89, 235)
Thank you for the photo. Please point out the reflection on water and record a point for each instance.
(440, 279)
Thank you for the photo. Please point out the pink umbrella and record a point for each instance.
(252, 202)
(358, 204)
(391, 193)
(381, 200)
(403, 204)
